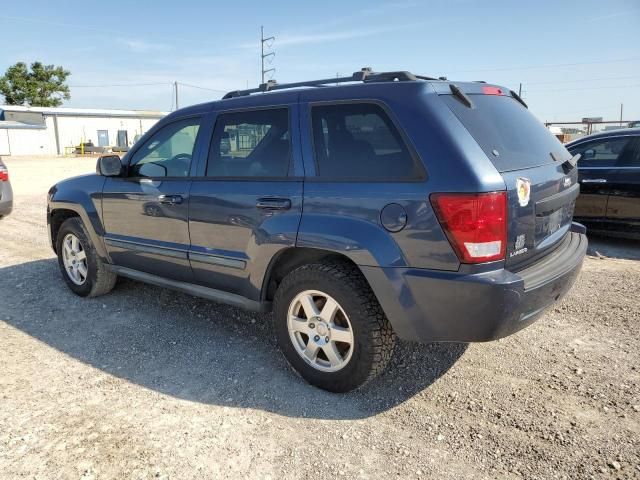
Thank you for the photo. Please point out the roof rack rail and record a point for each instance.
(364, 75)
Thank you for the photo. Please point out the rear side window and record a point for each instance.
(508, 133)
(254, 143)
(359, 141)
(610, 152)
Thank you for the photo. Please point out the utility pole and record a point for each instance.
(621, 108)
(175, 86)
(263, 55)
(520, 90)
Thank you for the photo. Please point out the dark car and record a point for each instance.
(6, 194)
(609, 174)
(387, 205)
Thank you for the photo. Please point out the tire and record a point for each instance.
(358, 311)
(97, 279)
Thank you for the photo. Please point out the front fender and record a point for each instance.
(83, 196)
(365, 243)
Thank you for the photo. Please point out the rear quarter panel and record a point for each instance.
(345, 216)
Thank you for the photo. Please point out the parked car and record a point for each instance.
(609, 174)
(387, 205)
(6, 194)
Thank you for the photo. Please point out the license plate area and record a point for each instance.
(549, 223)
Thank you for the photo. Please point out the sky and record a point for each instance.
(574, 58)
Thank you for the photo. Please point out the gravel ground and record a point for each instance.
(148, 383)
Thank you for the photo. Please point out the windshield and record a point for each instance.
(500, 124)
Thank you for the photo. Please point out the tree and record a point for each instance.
(42, 86)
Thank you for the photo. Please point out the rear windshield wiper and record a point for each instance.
(567, 164)
(573, 161)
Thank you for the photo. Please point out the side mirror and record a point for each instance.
(587, 154)
(109, 166)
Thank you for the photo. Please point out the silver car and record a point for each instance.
(6, 194)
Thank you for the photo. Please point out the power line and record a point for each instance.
(582, 80)
(610, 87)
(202, 88)
(549, 65)
(120, 85)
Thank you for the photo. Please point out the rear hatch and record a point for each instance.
(541, 183)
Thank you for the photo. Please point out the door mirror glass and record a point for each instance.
(109, 166)
(152, 169)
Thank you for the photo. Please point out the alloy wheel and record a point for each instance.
(320, 331)
(74, 259)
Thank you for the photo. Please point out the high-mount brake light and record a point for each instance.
(475, 224)
(487, 90)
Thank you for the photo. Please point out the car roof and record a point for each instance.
(289, 96)
(622, 131)
(272, 93)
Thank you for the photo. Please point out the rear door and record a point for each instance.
(247, 200)
(597, 168)
(145, 212)
(541, 187)
(624, 184)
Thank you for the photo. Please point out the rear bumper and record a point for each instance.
(430, 306)
(5, 207)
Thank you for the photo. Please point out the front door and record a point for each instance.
(146, 212)
(248, 202)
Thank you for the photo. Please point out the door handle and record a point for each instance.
(274, 203)
(170, 199)
(594, 180)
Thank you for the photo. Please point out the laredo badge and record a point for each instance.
(523, 185)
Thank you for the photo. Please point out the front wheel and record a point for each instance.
(82, 269)
(330, 326)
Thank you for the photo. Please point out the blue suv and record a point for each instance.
(356, 209)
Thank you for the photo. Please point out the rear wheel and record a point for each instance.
(330, 326)
(81, 267)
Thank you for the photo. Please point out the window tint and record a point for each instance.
(612, 152)
(359, 140)
(251, 144)
(168, 153)
(500, 123)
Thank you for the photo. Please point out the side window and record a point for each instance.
(255, 143)
(168, 153)
(611, 152)
(359, 140)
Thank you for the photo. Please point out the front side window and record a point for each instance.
(169, 152)
(255, 143)
(359, 140)
(611, 152)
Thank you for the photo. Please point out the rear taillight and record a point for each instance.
(4, 174)
(476, 224)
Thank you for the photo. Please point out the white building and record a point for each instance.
(55, 131)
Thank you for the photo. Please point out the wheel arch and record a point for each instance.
(291, 258)
(59, 212)
(56, 218)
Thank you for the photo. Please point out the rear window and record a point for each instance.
(501, 125)
(359, 141)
